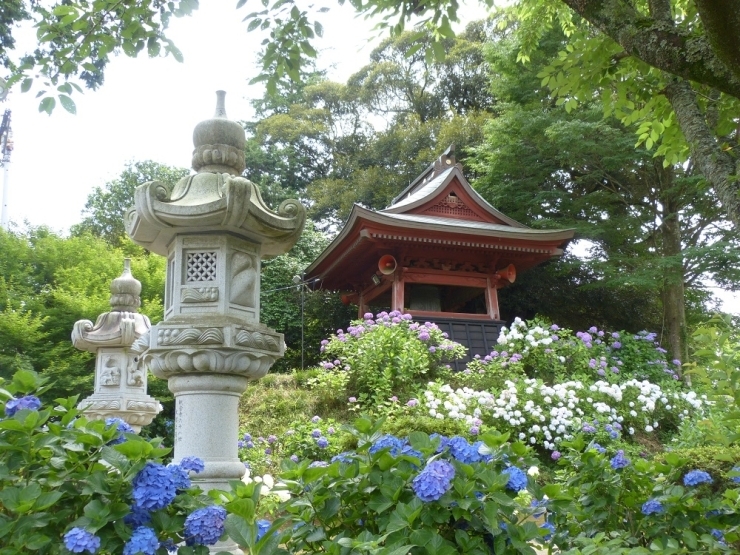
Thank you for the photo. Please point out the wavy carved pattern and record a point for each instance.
(199, 295)
(257, 340)
(101, 405)
(142, 406)
(183, 361)
(210, 336)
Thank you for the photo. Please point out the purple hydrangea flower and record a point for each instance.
(555, 455)
(474, 430)
(432, 482)
(616, 345)
(143, 540)
(271, 439)
(619, 461)
(412, 403)
(316, 419)
(205, 526)
(696, 477)
(352, 400)
(268, 451)
(316, 433)
(599, 448)
(424, 336)
(294, 458)
(652, 507)
(78, 540)
(316, 464)
(29, 402)
(322, 443)
(517, 478)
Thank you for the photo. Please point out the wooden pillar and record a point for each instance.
(492, 298)
(397, 293)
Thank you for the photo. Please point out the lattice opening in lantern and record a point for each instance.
(201, 266)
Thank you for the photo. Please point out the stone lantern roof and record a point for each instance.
(214, 199)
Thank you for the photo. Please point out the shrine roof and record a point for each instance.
(419, 193)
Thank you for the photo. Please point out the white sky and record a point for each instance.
(147, 109)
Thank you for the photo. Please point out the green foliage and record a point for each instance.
(600, 506)
(366, 501)
(387, 356)
(47, 283)
(303, 313)
(59, 471)
(76, 40)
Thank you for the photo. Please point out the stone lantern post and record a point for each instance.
(214, 229)
(120, 383)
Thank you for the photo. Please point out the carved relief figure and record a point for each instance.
(110, 373)
(242, 279)
(135, 372)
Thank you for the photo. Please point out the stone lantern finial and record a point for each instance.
(219, 143)
(120, 381)
(125, 290)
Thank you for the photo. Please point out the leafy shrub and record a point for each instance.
(608, 503)
(69, 484)
(421, 495)
(386, 356)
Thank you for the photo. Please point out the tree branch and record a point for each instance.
(660, 44)
(714, 163)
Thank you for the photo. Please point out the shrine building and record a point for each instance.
(439, 252)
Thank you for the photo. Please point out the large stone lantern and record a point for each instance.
(214, 229)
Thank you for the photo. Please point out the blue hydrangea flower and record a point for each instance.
(463, 451)
(432, 482)
(736, 479)
(345, 457)
(180, 476)
(316, 464)
(619, 461)
(78, 540)
(205, 526)
(599, 448)
(652, 507)
(696, 477)
(169, 545)
(143, 540)
(194, 464)
(29, 402)
(137, 517)
(262, 527)
(122, 426)
(443, 440)
(411, 452)
(154, 487)
(517, 478)
(718, 535)
(550, 527)
(322, 443)
(387, 442)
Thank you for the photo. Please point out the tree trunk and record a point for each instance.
(674, 314)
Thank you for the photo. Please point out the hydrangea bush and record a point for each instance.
(386, 354)
(545, 415)
(72, 485)
(422, 494)
(608, 502)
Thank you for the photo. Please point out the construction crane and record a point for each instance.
(6, 147)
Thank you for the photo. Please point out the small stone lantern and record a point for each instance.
(214, 229)
(120, 382)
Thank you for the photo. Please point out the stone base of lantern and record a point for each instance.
(207, 425)
(137, 411)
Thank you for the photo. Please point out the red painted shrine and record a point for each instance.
(439, 252)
